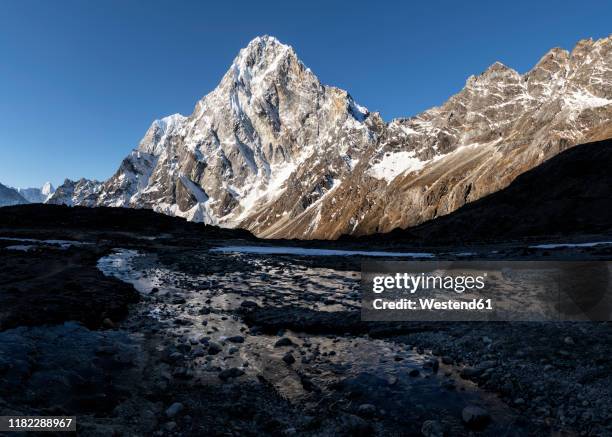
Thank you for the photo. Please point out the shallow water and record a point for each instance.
(378, 369)
(302, 251)
(569, 245)
(21, 247)
(63, 244)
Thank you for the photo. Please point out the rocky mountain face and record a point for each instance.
(567, 197)
(83, 192)
(10, 196)
(274, 151)
(37, 195)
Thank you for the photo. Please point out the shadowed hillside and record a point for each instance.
(39, 216)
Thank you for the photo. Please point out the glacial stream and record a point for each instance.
(196, 311)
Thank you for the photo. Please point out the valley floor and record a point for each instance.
(155, 334)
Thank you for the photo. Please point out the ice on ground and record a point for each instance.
(569, 245)
(22, 247)
(280, 250)
(63, 244)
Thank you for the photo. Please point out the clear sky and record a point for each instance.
(81, 81)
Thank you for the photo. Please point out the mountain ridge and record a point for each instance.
(37, 195)
(9, 196)
(274, 151)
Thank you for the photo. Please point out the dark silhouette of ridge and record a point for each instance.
(42, 216)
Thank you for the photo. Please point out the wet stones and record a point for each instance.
(366, 410)
(470, 372)
(174, 409)
(232, 372)
(171, 355)
(182, 322)
(108, 324)
(355, 426)
(198, 351)
(248, 304)
(432, 428)
(288, 358)
(479, 370)
(432, 364)
(236, 339)
(284, 342)
(214, 348)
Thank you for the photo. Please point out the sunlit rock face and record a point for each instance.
(274, 151)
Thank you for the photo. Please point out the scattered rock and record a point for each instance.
(366, 410)
(470, 372)
(108, 324)
(198, 351)
(485, 365)
(214, 348)
(288, 358)
(355, 426)
(249, 304)
(283, 342)
(174, 409)
(432, 428)
(433, 364)
(232, 372)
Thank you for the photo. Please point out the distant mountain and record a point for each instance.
(274, 151)
(568, 195)
(83, 192)
(9, 196)
(37, 195)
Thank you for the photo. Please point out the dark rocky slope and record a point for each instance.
(144, 221)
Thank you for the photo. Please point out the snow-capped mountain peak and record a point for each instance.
(273, 150)
(37, 195)
(47, 189)
(264, 55)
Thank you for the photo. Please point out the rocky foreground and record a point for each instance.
(148, 332)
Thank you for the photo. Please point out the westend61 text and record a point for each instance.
(432, 304)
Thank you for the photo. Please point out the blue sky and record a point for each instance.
(81, 81)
